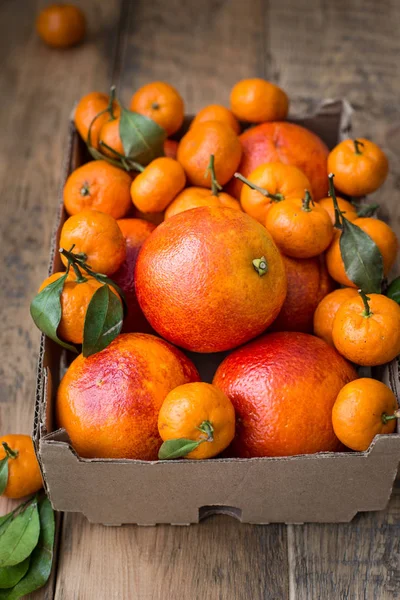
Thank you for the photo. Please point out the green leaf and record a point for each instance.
(103, 321)
(394, 290)
(3, 474)
(104, 279)
(142, 138)
(366, 210)
(361, 257)
(4, 519)
(9, 576)
(41, 558)
(177, 448)
(46, 311)
(20, 536)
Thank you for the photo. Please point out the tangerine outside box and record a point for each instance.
(324, 487)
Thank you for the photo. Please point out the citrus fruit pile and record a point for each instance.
(235, 232)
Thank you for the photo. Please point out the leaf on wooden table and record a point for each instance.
(103, 321)
(9, 576)
(46, 311)
(142, 138)
(41, 559)
(177, 448)
(361, 257)
(20, 536)
(394, 290)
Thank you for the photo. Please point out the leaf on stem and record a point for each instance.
(177, 448)
(46, 311)
(142, 138)
(20, 536)
(361, 257)
(103, 321)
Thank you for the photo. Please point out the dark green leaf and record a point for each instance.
(361, 257)
(177, 448)
(20, 536)
(103, 321)
(9, 576)
(3, 474)
(46, 311)
(142, 138)
(4, 522)
(366, 210)
(41, 559)
(105, 279)
(394, 290)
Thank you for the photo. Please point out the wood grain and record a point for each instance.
(218, 559)
(348, 561)
(202, 48)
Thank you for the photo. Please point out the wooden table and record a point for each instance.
(313, 49)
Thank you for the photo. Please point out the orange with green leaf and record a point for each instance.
(196, 420)
(79, 306)
(362, 251)
(160, 102)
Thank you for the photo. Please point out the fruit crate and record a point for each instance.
(323, 487)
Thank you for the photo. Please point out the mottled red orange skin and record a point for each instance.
(109, 403)
(308, 282)
(283, 387)
(288, 143)
(135, 232)
(196, 283)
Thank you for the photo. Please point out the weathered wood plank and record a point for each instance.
(348, 561)
(218, 558)
(39, 87)
(202, 48)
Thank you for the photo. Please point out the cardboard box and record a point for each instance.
(324, 487)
